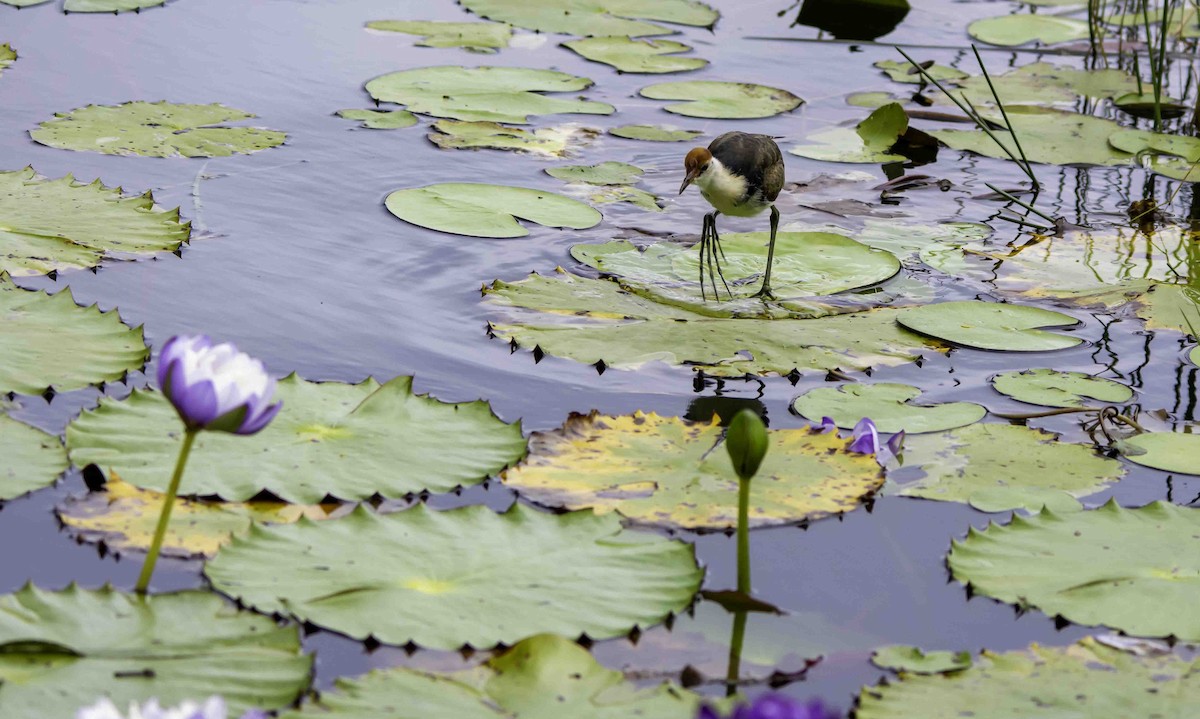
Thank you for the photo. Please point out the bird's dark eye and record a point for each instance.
(704, 167)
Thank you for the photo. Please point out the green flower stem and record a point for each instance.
(733, 673)
(164, 516)
(743, 537)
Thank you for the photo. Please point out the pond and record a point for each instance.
(298, 255)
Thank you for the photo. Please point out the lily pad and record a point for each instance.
(105, 6)
(1130, 569)
(29, 458)
(1082, 679)
(722, 100)
(654, 133)
(888, 405)
(637, 56)
(606, 173)
(1175, 156)
(602, 18)
(363, 575)
(63, 650)
(870, 142)
(52, 225)
(381, 119)
(903, 71)
(664, 471)
(331, 439)
(1048, 136)
(124, 518)
(479, 210)
(1170, 307)
(1174, 452)
(476, 36)
(1054, 388)
(548, 141)
(494, 94)
(47, 342)
(542, 676)
(912, 660)
(1013, 30)
(156, 129)
(633, 195)
(870, 100)
(7, 56)
(997, 467)
(991, 325)
(1044, 84)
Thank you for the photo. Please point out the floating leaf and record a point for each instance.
(1012, 30)
(722, 100)
(997, 467)
(381, 119)
(51, 225)
(1171, 307)
(479, 210)
(331, 439)
(1130, 569)
(109, 5)
(23, 3)
(155, 129)
(1054, 388)
(633, 195)
(664, 471)
(1175, 156)
(606, 173)
(362, 576)
(542, 676)
(905, 72)
(1057, 138)
(49, 342)
(1045, 85)
(1169, 451)
(637, 56)
(64, 650)
(550, 141)
(603, 18)
(7, 56)
(124, 517)
(888, 405)
(870, 100)
(991, 325)
(496, 94)
(476, 36)
(29, 458)
(654, 133)
(1082, 679)
(912, 660)
(871, 141)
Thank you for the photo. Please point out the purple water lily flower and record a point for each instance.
(776, 706)
(866, 441)
(826, 426)
(216, 387)
(213, 708)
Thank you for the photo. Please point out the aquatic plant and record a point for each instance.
(866, 441)
(775, 706)
(213, 708)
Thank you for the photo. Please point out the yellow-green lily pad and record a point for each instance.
(637, 55)
(480, 210)
(991, 325)
(887, 404)
(485, 37)
(1055, 388)
(722, 100)
(30, 459)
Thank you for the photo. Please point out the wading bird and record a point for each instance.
(740, 175)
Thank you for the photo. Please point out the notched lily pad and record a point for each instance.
(991, 325)
(1174, 156)
(156, 129)
(668, 472)
(29, 458)
(601, 18)
(654, 133)
(107, 6)
(7, 56)
(485, 37)
(479, 210)
(637, 56)
(547, 141)
(632, 195)
(1175, 452)
(722, 100)
(381, 119)
(913, 660)
(887, 404)
(1055, 388)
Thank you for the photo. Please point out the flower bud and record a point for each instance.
(746, 441)
(216, 387)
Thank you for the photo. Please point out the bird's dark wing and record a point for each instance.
(755, 157)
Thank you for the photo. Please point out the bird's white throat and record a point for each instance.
(726, 191)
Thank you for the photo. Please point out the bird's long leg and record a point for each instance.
(766, 292)
(714, 246)
(703, 246)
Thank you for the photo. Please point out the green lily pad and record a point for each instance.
(7, 56)
(870, 100)
(888, 405)
(637, 56)
(1170, 307)
(363, 576)
(23, 3)
(60, 651)
(870, 142)
(654, 133)
(1044, 84)
(722, 100)
(542, 676)
(1054, 388)
(103, 6)
(606, 173)
(47, 342)
(903, 71)
(331, 439)
(29, 458)
(1144, 105)
(912, 660)
(493, 94)
(1174, 452)
(1082, 679)
(479, 210)
(602, 18)
(1056, 138)
(1175, 156)
(991, 325)
(998, 467)
(633, 195)
(664, 471)
(155, 129)
(52, 225)
(483, 37)
(381, 119)
(1130, 569)
(548, 141)
(1013, 30)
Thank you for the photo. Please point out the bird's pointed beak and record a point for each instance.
(691, 176)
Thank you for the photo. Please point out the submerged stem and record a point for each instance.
(743, 537)
(164, 516)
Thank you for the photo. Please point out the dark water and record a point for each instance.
(297, 261)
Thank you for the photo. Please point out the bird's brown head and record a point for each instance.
(694, 165)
